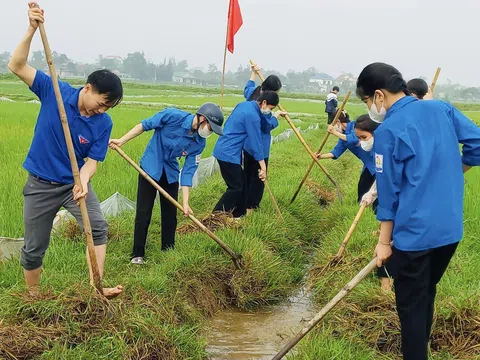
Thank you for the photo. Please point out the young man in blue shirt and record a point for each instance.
(177, 134)
(244, 124)
(50, 180)
(420, 186)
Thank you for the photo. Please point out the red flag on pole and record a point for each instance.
(235, 21)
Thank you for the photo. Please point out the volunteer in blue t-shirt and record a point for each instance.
(176, 134)
(254, 186)
(243, 124)
(420, 186)
(50, 183)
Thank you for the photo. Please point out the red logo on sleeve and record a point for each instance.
(82, 140)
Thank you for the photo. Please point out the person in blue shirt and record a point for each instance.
(348, 140)
(419, 88)
(243, 124)
(420, 186)
(254, 186)
(50, 183)
(176, 134)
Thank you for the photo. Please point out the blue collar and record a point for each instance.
(400, 104)
(73, 102)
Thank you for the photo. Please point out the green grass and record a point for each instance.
(168, 300)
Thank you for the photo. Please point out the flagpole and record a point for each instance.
(225, 55)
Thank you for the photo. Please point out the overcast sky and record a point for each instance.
(416, 36)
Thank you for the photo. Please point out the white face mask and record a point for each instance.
(338, 128)
(375, 115)
(367, 145)
(204, 132)
(266, 111)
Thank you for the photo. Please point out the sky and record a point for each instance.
(334, 36)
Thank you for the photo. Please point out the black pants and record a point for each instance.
(416, 275)
(331, 116)
(254, 186)
(146, 194)
(234, 198)
(364, 184)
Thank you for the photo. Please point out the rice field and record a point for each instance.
(164, 310)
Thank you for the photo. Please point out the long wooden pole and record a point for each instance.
(236, 258)
(275, 204)
(302, 140)
(324, 141)
(225, 55)
(435, 78)
(73, 160)
(326, 309)
(350, 232)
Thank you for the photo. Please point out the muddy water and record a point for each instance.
(10, 248)
(259, 334)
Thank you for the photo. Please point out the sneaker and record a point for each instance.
(137, 260)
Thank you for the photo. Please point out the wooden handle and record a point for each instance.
(325, 138)
(302, 140)
(435, 78)
(327, 308)
(236, 258)
(275, 204)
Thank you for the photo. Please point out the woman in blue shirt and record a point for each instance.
(244, 124)
(254, 186)
(348, 140)
(177, 134)
(420, 187)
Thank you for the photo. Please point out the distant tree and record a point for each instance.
(38, 60)
(182, 66)
(4, 58)
(72, 67)
(212, 69)
(135, 65)
(109, 63)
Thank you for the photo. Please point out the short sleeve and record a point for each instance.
(99, 149)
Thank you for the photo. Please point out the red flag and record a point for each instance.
(235, 21)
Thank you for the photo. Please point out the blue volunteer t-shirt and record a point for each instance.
(172, 139)
(352, 144)
(48, 154)
(419, 171)
(243, 124)
(268, 123)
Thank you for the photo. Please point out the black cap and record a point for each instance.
(214, 116)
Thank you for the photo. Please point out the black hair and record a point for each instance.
(378, 76)
(364, 123)
(107, 83)
(271, 97)
(336, 88)
(418, 87)
(271, 83)
(344, 117)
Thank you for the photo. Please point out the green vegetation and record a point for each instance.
(166, 302)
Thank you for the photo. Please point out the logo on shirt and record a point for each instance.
(184, 153)
(197, 159)
(82, 140)
(379, 163)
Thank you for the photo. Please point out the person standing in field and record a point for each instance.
(331, 103)
(420, 186)
(244, 124)
(362, 149)
(50, 183)
(254, 186)
(176, 134)
(419, 89)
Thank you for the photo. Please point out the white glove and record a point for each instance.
(370, 197)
